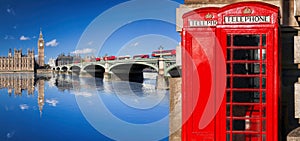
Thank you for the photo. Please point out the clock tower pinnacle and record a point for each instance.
(41, 50)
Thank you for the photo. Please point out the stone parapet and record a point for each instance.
(175, 109)
(294, 135)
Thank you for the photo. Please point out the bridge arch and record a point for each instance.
(132, 72)
(64, 68)
(174, 70)
(136, 63)
(58, 68)
(90, 64)
(75, 69)
(94, 70)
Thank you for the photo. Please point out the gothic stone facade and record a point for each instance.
(18, 62)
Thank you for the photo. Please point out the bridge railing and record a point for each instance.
(152, 60)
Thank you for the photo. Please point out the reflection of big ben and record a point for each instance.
(41, 95)
(41, 52)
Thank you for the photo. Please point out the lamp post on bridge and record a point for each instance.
(160, 51)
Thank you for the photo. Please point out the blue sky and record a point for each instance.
(66, 26)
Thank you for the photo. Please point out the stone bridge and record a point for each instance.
(125, 70)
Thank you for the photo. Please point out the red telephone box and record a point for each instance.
(246, 108)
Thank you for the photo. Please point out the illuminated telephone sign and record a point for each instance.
(230, 77)
(207, 17)
(246, 19)
(200, 23)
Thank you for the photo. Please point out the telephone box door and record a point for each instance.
(200, 55)
(248, 31)
(250, 87)
(200, 108)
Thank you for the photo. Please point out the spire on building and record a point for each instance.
(41, 50)
(9, 53)
(41, 34)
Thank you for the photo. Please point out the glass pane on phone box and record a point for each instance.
(246, 40)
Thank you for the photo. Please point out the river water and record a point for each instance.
(56, 107)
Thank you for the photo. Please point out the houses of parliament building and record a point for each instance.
(18, 62)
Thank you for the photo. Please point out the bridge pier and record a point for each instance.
(161, 80)
(107, 76)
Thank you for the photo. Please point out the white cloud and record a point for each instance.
(52, 43)
(90, 43)
(23, 38)
(135, 44)
(24, 107)
(10, 134)
(9, 37)
(83, 51)
(52, 102)
(10, 11)
(84, 94)
(33, 37)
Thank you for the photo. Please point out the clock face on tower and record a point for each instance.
(41, 44)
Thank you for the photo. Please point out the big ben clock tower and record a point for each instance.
(41, 52)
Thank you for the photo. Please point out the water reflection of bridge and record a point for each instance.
(125, 70)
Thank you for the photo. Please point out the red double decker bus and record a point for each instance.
(141, 56)
(158, 53)
(109, 58)
(98, 59)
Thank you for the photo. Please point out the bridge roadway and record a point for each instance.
(125, 70)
